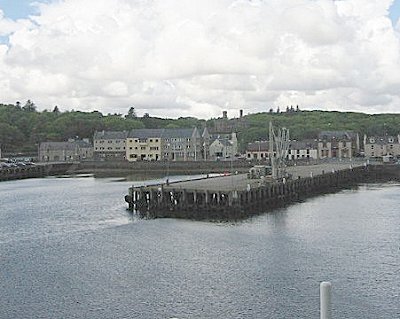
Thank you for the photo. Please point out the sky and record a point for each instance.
(173, 58)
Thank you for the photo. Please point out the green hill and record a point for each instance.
(22, 128)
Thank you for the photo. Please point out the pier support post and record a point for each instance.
(325, 299)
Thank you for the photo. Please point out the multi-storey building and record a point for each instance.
(379, 146)
(182, 144)
(338, 144)
(110, 145)
(144, 145)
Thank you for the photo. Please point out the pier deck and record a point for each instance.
(235, 196)
(240, 182)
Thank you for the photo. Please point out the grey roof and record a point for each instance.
(329, 135)
(145, 133)
(258, 146)
(58, 146)
(110, 135)
(179, 132)
(83, 144)
(303, 145)
(69, 145)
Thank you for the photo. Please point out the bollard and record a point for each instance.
(325, 299)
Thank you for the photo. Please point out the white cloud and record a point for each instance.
(185, 57)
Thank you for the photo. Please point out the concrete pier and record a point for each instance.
(236, 197)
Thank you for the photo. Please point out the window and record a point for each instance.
(151, 140)
(156, 140)
(143, 148)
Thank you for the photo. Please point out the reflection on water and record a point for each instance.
(69, 249)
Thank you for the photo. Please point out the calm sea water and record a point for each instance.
(69, 249)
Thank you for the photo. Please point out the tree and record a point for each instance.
(131, 113)
(29, 106)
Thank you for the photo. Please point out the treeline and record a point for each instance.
(307, 124)
(22, 128)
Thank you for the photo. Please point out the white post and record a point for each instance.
(325, 299)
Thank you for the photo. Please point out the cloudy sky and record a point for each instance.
(173, 58)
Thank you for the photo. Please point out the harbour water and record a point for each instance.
(69, 249)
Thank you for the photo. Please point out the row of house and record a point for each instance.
(332, 144)
(186, 144)
(189, 144)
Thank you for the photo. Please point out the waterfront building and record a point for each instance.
(224, 147)
(338, 144)
(182, 144)
(302, 150)
(110, 145)
(258, 150)
(71, 150)
(298, 150)
(379, 146)
(144, 145)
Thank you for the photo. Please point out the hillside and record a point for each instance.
(22, 128)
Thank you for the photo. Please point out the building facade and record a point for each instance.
(379, 146)
(258, 150)
(144, 145)
(71, 150)
(302, 150)
(297, 150)
(223, 147)
(183, 144)
(110, 145)
(338, 144)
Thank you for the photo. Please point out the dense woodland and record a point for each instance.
(22, 127)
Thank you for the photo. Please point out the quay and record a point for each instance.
(38, 170)
(236, 197)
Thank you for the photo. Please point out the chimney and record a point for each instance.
(225, 114)
(240, 113)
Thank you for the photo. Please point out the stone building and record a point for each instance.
(224, 147)
(338, 144)
(379, 146)
(71, 150)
